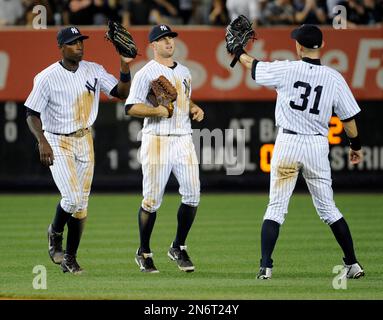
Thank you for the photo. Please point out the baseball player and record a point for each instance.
(166, 147)
(307, 94)
(61, 109)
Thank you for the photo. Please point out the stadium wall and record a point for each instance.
(230, 98)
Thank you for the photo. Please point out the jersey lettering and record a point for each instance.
(305, 97)
(90, 87)
(58, 94)
(180, 77)
(315, 90)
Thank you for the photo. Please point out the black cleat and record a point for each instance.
(69, 264)
(181, 257)
(264, 273)
(145, 262)
(55, 249)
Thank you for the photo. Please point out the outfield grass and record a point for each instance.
(224, 245)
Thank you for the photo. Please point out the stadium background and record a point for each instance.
(229, 96)
(224, 241)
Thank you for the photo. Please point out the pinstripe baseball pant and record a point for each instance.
(309, 153)
(72, 171)
(162, 155)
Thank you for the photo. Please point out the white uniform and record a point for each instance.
(68, 105)
(167, 144)
(308, 93)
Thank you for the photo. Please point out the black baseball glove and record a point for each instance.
(238, 34)
(121, 39)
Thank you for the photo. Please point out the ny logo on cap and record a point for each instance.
(163, 28)
(74, 30)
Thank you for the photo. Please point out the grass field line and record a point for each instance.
(223, 243)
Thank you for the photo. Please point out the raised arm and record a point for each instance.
(246, 60)
(123, 85)
(124, 44)
(238, 34)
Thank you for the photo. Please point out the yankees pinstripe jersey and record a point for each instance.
(180, 77)
(68, 100)
(308, 93)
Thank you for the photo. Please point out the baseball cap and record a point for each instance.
(160, 31)
(69, 34)
(308, 35)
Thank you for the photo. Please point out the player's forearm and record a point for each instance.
(141, 110)
(123, 89)
(35, 126)
(246, 60)
(123, 86)
(350, 128)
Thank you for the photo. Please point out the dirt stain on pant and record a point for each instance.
(286, 172)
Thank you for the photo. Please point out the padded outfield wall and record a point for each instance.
(230, 98)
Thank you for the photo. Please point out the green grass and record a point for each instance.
(223, 243)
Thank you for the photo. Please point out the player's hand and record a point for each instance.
(126, 60)
(355, 156)
(197, 113)
(46, 153)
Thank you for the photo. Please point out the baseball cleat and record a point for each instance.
(264, 273)
(181, 257)
(145, 262)
(354, 271)
(55, 249)
(69, 264)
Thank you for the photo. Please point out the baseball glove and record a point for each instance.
(162, 92)
(238, 34)
(121, 39)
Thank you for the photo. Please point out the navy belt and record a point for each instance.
(289, 131)
(293, 132)
(78, 134)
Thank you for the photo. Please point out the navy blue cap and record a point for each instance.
(308, 35)
(160, 31)
(69, 34)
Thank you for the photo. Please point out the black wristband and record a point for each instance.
(128, 107)
(238, 52)
(125, 77)
(355, 143)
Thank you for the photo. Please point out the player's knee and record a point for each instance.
(150, 204)
(191, 199)
(278, 219)
(70, 205)
(80, 214)
(277, 216)
(329, 215)
(276, 211)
